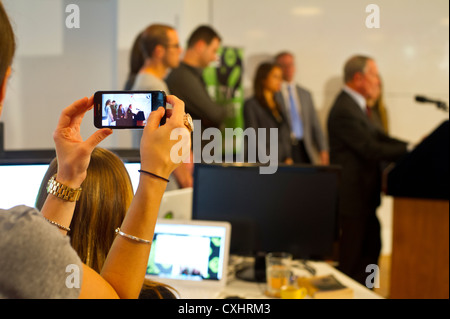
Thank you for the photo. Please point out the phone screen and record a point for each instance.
(126, 109)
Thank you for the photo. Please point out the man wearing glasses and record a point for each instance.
(161, 52)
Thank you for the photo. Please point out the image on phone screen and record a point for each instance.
(126, 109)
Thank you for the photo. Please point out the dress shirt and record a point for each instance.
(359, 99)
(285, 87)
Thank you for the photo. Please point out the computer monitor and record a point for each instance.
(132, 161)
(19, 183)
(293, 210)
(21, 173)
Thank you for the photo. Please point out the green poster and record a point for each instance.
(224, 84)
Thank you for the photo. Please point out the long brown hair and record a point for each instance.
(262, 74)
(136, 62)
(106, 196)
(107, 193)
(7, 43)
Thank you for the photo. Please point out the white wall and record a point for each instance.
(136, 15)
(55, 65)
(411, 48)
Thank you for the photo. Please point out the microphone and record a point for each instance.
(439, 104)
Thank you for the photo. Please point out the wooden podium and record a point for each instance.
(419, 184)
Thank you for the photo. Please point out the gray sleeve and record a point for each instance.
(318, 135)
(36, 260)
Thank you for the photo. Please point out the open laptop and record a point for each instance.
(191, 256)
(176, 204)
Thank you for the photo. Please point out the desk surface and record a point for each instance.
(254, 290)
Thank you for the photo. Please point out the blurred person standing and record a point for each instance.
(187, 83)
(261, 111)
(377, 111)
(309, 144)
(358, 146)
(160, 49)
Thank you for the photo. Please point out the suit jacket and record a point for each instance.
(257, 116)
(359, 147)
(313, 137)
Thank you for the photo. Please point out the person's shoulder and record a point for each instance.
(342, 99)
(179, 70)
(34, 256)
(303, 89)
(18, 215)
(251, 102)
(147, 81)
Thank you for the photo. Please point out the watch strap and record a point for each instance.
(62, 191)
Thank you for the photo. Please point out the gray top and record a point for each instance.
(314, 137)
(147, 81)
(36, 260)
(187, 84)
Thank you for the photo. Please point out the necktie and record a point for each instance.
(296, 122)
(368, 111)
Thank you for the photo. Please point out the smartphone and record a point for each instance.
(126, 109)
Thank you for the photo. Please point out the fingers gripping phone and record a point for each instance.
(126, 109)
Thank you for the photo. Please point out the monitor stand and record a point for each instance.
(254, 272)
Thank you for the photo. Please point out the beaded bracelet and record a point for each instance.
(67, 229)
(137, 239)
(157, 176)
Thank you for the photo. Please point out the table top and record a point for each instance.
(256, 290)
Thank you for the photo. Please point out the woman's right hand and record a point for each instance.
(72, 151)
(163, 147)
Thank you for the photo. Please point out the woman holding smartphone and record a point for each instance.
(36, 259)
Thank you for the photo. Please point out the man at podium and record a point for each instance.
(359, 147)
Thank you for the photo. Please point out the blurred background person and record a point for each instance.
(309, 143)
(376, 110)
(359, 147)
(161, 52)
(186, 81)
(157, 49)
(136, 62)
(263, 111)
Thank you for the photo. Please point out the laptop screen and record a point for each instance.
(189, 250)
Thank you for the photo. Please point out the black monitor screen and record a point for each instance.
(294, 209)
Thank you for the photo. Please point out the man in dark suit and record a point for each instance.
(309, 144)
(359, 147)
